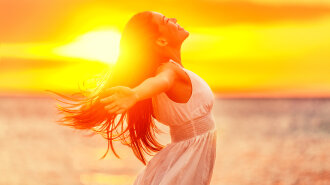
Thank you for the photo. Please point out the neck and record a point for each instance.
(177, 54)
(156, 60)
(173, 53)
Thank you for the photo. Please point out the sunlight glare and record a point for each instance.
(100, 46)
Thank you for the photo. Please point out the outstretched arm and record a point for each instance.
(155, 85)
(122, 98)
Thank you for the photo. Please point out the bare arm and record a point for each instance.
(160, 83)
(121, 98)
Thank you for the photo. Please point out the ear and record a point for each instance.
(161, 41)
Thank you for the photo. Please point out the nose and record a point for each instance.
(174, 20)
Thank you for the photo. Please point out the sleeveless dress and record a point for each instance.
(189, 158)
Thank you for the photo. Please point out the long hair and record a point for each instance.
(135, 127)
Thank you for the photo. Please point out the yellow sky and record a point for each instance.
(241, 48)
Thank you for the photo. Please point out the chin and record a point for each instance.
(182, 36)
(185, 35)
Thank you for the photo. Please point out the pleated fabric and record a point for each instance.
(189, 158)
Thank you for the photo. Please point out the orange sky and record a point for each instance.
(241, 48)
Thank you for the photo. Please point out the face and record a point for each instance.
(171, 33)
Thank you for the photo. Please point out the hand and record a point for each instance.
(119, 99)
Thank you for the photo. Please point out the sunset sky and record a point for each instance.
(246, 48)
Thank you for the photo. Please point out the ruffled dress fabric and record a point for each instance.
(189, 158)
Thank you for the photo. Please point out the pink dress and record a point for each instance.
(189, 158)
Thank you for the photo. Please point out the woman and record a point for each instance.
(148, 83)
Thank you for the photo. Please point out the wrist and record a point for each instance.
(136, 95)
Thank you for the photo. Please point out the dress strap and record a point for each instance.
(176, 63)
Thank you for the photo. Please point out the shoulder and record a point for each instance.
(166, 66)
(171, 69)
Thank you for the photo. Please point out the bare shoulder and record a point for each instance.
(166, 66)
(171, 69)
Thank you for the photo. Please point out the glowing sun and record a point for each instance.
(100, 46)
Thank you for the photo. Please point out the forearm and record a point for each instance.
(151, 87)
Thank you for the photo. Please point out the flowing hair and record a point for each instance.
(135, 127)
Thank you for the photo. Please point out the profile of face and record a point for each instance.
(172, 34)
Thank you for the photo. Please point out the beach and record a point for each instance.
(259, 141)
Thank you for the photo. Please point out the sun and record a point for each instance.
(102, 46)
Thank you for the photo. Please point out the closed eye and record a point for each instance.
(164, 20)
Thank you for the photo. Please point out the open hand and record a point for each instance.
(119, 99)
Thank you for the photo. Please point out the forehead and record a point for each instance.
(157, 16)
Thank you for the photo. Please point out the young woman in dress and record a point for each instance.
(149, 82)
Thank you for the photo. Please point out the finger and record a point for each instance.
(114, 109)
(108, 91)
(110, 106)
(120, 111)
(111, 90)
(108, 99)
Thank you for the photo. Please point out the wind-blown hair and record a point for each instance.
(135, 127)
